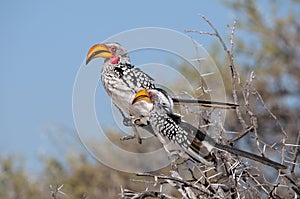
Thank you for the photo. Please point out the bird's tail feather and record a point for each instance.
(205, 103)
(251, 156)
(199, 141)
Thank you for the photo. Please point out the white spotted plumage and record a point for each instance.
(121, 81)
(188, 137)
(164, 126)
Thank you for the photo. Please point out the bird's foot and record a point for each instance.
(127, 137)
(136, 134)
(133, 124)
(130, 137)
(138, 122)
(127, 121)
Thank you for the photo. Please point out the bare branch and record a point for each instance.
(201, 32)
(296, 153)
(171, 180)
(240, 135)
(234, 74)
(126, 193)
(270, 112)
(230, 177)
(232, 36)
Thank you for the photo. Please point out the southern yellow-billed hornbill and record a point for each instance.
(167, 125)
(122, 80)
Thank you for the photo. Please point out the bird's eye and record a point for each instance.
(113, 49)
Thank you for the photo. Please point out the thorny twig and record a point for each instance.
(234, 73)
(276, 120)
(270, 112)
(126, 193)
(174, 180)
(204, 90)
(240, 135)
(236, 79)
(295, 157)
(246, 181)
(57, 190)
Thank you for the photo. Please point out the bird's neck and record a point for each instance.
(125, 60)
(116, 61)
(110, 66)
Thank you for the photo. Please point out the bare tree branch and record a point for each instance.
(230, 177)
(296, 153)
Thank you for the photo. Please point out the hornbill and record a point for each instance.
(122, 80)
(167, 125)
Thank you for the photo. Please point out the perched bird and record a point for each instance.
(168, 125)
(121, 80)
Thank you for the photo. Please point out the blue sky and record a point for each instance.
(43, 44)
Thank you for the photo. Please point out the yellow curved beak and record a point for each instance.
(141, 95)
(98, 50)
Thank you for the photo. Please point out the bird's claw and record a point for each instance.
(130, 137)
(127, 121)
(127, 137)
(132, 123)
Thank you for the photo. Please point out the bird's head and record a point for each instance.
(110, 51)
(158, 97)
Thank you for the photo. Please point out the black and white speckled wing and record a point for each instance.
(121, 82)
(133, 78)
(136, 79)
(197, 144)
(164, 125)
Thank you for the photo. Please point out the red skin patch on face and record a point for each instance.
(114, 60)
(151, 95)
